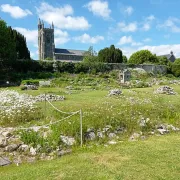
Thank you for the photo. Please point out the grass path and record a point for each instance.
(155, 158)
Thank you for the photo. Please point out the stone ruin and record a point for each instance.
(49, 97)
(124, 76)
(44, 83)
(165, 90)
(30, 87)
(115, 92)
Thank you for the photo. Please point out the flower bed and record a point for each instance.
(15, 107)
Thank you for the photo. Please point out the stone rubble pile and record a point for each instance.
(49, 97)
(115, 92)
(165, 90)
(13, 148)
(165, 128)
(176, 82)
(31, 87)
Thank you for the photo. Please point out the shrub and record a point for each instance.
(31, 82)
(142, 56)
(175, 70)
(23, 88)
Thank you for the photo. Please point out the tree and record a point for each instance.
(90, 52)
(7, 45)
(177, 61)
(124, 59)
(162, 60)
(22, 51)
(110, 55)
(104, 55)
(90, 59)
(142, 56)
(175, 67)
(90, 56)
(49, 59)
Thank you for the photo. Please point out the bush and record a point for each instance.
(31, 82)
(141, 57)
(175, 70)
(23, 88)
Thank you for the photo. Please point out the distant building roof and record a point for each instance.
(168, 56)
(69, 52)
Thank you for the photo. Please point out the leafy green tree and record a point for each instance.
(104, 55)
(90, 56)
(90, 59)
(7, 45)
(125, 59)
(162, 60)
(49, 59)
(21, 46)
(175, 67)
(177, 61)
(110, 55)
(142, 56)
(90, 52)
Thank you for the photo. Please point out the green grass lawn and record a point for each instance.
(154, 158)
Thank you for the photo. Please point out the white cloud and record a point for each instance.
(36, 45)
(147, 40)
(128, 10)
(146, 27)
(172, 24)
(163, 49)
(62, 17)
(15, 11)
(32, 54)
(125, 40)
(136, 43)
(30, 35)
(61, 37)
(148, 23)
(99, 8)
(151, 18)
(128, 51)
(158, 50)
(131, 27)
(128, 40)
(86, 38)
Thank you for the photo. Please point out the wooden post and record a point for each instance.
(45, 103)
(80, 112)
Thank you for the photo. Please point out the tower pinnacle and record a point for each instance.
(39, 22)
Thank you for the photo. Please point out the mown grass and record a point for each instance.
(154, 158)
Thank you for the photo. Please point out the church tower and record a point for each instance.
(46, 45)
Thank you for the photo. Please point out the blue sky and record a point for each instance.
(130, 25)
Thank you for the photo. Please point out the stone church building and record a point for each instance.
(47, 49)
(170, 56)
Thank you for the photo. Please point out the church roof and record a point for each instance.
(166, 55)
(69, 52)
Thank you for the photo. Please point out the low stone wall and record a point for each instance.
(157, 69)
(161, 69)
(150, 68)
